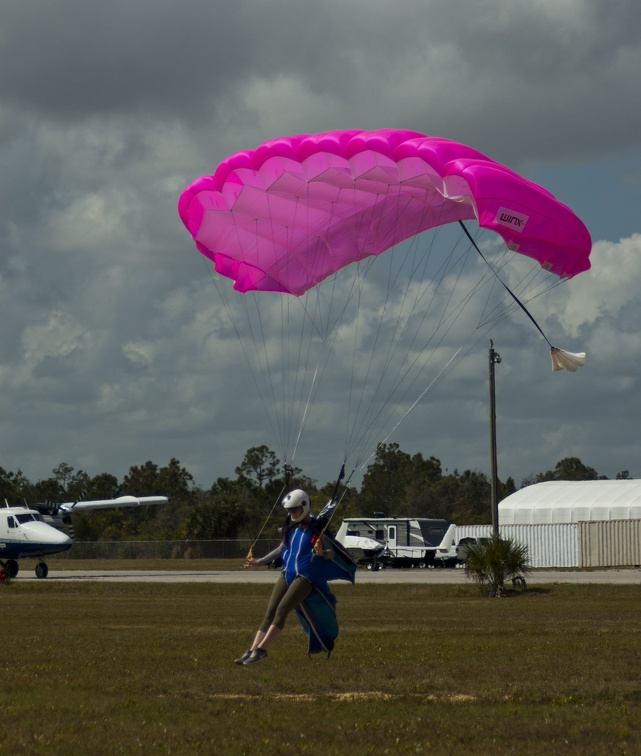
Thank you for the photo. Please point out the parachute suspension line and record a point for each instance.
(523, 288)
(362, 230)
(292, 363)
(417, 401)
(307, 367)
(352, 402)
(261, 362)
(305, 413)
(552, 282)
(446, 369)
(261, 346)
(255, 348)
(485, 323)
(445, 325)
(271, 359)
(561, 359)
(301, 367)
(290, 400)
(315, 313)
(480, 284)
(326, 318)
(510, 292)
(401, 377)
(352, 378)
(271, 512)
(353, 428)
(356, 430)
(283, 410)
(364, 428)
(222, 292)
(359, 431)
(405, 366)
(324, 321)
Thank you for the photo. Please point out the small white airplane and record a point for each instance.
(38, 530)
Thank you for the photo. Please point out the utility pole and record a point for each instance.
(494, 359)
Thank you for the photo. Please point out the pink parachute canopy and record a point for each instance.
(288, 214)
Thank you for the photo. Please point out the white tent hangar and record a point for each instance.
(567, 501)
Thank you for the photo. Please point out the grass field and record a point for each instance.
(108, 668)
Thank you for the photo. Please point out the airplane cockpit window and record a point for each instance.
(25, 518)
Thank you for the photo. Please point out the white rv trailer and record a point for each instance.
(407, 541)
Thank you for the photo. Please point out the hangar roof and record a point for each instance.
(559, 501)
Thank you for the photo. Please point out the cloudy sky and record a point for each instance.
(113, 348)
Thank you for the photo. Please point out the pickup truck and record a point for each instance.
(463, 547)
(455, 555)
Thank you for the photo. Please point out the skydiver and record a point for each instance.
(306, 568)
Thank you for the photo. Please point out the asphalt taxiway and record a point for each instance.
(630, 576)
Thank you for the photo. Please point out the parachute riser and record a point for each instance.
(318, 546)
(250, 553)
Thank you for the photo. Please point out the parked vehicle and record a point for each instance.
(364, 551)
(446, 555)
(407, 541)
(463, 546)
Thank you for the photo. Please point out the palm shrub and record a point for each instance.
(494, 561)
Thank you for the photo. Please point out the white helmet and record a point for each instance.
(298, 498)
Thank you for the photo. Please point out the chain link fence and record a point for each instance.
(223, 548)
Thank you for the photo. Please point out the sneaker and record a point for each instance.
(244, 657)
(256, 655)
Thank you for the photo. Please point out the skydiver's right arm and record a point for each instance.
(268, 558)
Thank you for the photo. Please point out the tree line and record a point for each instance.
(395, 483)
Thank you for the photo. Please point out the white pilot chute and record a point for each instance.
(563, 360)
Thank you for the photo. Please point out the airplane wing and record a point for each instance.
(121, 501)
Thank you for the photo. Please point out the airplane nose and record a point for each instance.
(39, 531)
(61, 539)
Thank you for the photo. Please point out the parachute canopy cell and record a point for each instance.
(293, 211)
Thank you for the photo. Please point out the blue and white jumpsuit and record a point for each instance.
(296, 580)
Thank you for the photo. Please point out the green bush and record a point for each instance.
(494, 561)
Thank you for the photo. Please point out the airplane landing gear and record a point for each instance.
(41, 570)
(11, 567)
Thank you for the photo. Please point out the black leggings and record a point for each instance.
(284, 600)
